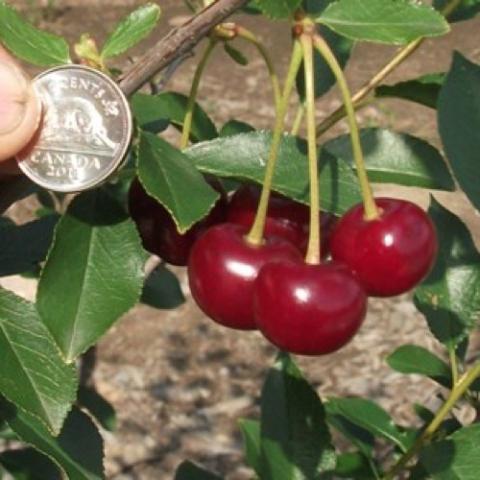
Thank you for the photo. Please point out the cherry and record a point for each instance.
(308, 309)
(327, 225)
(142, 209)
(391, 254)
(222, 270)
(285, 217)
(158, 230)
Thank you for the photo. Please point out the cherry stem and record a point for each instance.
(313, 251)
(250, 37)
(187, 122)
(298, 119)
(459, 389)
(453, 364)
(378, 78)
(255, 236)
(373, 83)
(371, 210)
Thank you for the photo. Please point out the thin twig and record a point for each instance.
(177, 43)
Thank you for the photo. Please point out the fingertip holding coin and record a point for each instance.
(20, 109)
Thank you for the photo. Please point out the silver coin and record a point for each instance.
(85, 132)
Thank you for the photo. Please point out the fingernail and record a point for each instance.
(14, 92)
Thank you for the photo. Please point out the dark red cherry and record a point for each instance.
(158, 230)
(285, 218)
(390, 255)
(143, 209)
(308, 309)
(222, 270)
(327, 225)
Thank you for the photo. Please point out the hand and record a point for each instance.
(20, 112)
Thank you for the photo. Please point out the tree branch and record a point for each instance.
(176, 44)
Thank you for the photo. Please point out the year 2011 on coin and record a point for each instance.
(85, 132)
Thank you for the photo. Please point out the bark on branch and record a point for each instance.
(176, 44)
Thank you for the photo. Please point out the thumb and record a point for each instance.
(20, 109)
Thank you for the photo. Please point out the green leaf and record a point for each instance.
(234, 127)
(28, 464)
(18, 253)
(134, 28)
(456, 458)
(383, 21)
(190, 471)
(353, 465)
(423, 413)
(102, 410)
(449, 297)
(243, 157)
(78, 450)
(369, 416)
(30, 44)
(295, 441)
(324, 78)
(278, 8)
(417, 472)
(251, 9)
(424, 90)
(93, 274)
(151, 111)
(118, 187)
(236, 55)
(32, 373)
(251, 438)
(459, 124)
(6, 433)
(466, 10)
(162, 290)
(315, 7)
(415, 359)
(358, 436)
(169, 176)
(399, 158)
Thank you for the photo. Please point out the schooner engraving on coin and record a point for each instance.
(85, 132)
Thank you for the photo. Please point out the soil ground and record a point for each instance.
(179, 382)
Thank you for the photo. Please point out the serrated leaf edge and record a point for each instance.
(138, 295)
(51, 430)
(180, 229)
(146, 32)
(52, 458)
(422, 6)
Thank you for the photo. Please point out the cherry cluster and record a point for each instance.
(307, 309)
